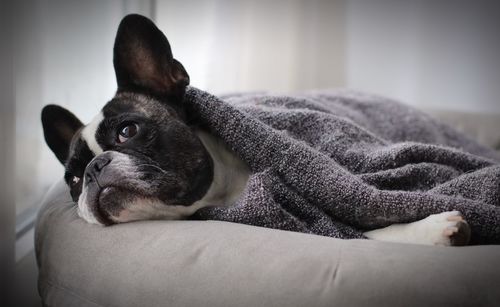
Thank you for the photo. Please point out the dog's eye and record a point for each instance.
(75, 180)
(126, 132)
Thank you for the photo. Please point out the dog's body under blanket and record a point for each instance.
(340, 163)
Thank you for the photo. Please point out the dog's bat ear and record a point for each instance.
(143, 59)
(59, 127)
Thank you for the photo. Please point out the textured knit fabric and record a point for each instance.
(340, 163)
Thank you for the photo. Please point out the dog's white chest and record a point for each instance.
(230, 173)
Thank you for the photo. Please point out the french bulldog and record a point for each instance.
(144, 157)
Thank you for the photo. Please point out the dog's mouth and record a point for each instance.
(111, 204)
(105, 197)
(103, 203)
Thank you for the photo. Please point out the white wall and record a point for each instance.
(279, 45)
(439, 54)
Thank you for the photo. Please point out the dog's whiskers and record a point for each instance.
(154, 166)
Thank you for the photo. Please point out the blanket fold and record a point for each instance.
(340, 163)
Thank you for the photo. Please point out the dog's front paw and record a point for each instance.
(447, 228)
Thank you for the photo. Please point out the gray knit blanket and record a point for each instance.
(338, 163)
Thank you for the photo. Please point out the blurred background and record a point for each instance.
(430, 54)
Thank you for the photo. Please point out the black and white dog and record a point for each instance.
(139, 158)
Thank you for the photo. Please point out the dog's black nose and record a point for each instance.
(96, 166)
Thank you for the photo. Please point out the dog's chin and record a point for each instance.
(120, 205)
(101, 205)
(109, 203)
(112, 205)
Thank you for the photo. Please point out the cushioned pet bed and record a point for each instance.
(209, 263)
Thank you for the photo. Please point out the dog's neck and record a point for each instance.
(230, 173)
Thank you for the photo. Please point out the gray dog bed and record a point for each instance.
(210, 263)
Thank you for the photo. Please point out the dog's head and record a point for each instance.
(138, 158)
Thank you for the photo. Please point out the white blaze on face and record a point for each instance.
(88, 134)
